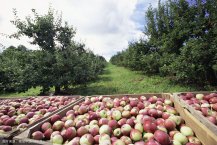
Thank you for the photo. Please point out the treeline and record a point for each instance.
(60, 62)
(181, 44)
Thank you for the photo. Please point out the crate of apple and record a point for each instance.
(117, 121)
(18, 114)
(205, 104)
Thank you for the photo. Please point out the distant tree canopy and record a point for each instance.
(181, 42)
(60, 62)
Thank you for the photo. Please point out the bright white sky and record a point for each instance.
(105, 26)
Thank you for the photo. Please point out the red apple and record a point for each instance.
(113, 124)
(149, 126)
(48, 133)
(38, 135)
(170, 124)
(82, 131)
(55, 118)
(162, 137)
(45, 126)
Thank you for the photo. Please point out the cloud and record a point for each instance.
(105, 26)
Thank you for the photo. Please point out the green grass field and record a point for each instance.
(118, 80)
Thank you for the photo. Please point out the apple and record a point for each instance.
(148, 136)
(199, 96)
(135, 135)
(105, 129)
(162, 137)
(38, 135)
(47, 133)
(55, 118)
(86, 139)
(169, 124)
(103, 138)
(81, 131)
(180, 138)
(70, 133)
(94, 122)
(96, 138)
(69, 123)
(134, 102)
(126, 140)
(9, 122)
(206, 111)
(126, 114)
(82, 109)
(57, 139)
(127, 107)
(140, 105)
(187, 131)
(168, 102)
(94, 130)
(152, 99)
(45, 126)
(125, 129)
(176, 119)
(58, 125)
(139, 127)
(175, 142)
(117, 132)
(116, 115)
(149, 126)
(113, 124)
(160, 121)
(103, 114)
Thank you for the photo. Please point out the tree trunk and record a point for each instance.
(57, 90)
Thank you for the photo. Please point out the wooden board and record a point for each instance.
(205, 130)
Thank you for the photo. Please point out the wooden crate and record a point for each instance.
(25, 136)
(204, 129)
(6, 138)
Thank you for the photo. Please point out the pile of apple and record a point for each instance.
(120, 121)
(205, 104)
(19, 113)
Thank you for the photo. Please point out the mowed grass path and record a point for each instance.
(119, 80)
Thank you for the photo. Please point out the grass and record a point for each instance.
(118, 80)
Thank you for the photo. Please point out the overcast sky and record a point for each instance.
(105, 26)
